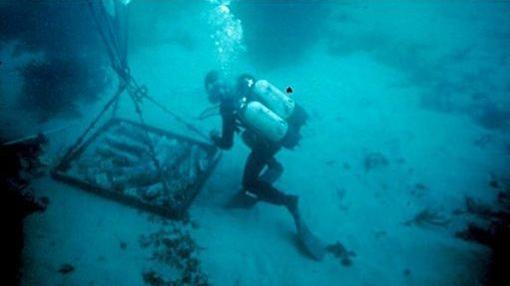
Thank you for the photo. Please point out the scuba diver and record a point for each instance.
(269, 121)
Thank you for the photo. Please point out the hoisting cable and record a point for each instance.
(177, 118)
(152, 152)
(123, 72)
(209, 112)
(115, 62)
(122, 24)
(113, 34)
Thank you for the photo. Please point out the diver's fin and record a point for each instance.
(310, 243)
(242, 200)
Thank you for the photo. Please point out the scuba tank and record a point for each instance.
(273, 98)
(263, 120)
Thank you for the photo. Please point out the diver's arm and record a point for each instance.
(226, 140)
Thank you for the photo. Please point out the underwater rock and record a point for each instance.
(123, 245)
(375, 160)
(66, 268)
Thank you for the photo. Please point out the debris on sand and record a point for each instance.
(375, 160)
(66, 268)
(175, 248)
(339, 251)
(428, 217)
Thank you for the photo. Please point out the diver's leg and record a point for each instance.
(264, 191)
(252, 181)
(273, 171)
(254, 165)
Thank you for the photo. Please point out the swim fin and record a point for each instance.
(310, 243)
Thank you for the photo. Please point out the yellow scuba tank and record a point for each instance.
(274, 99)
(263, 121)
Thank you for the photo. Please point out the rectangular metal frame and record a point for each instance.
(175, 211)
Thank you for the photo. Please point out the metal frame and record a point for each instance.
(171, 211)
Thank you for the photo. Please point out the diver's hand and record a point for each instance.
(215, 137)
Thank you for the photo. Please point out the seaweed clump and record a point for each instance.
(176, 249)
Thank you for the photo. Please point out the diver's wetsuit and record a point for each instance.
(262, 155)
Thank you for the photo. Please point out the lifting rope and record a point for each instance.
(148, 142)
(109, 44)
(119, 64)
(127, 83)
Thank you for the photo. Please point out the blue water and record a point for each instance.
(409, 105)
